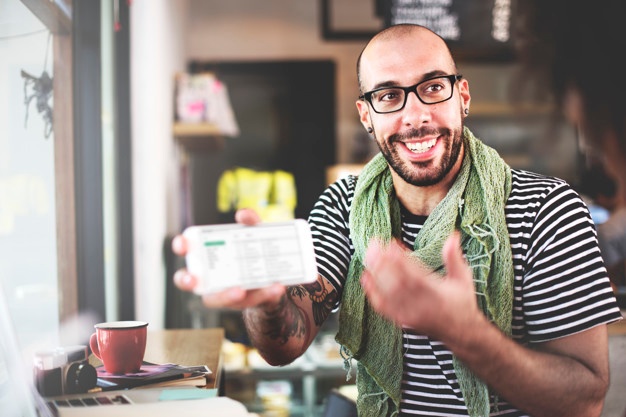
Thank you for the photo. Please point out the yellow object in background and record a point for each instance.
(271, 193)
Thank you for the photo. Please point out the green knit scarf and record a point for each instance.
(475, 206)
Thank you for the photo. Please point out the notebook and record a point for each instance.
(20, 398)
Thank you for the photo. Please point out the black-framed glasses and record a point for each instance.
(431, 91)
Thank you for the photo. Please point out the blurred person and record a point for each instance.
(464, 287)
(575, 49)
(612, 238)
(599, 189)
(572, 50)
(609, 214)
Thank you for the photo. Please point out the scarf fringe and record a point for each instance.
(381, 404)
(347, 357)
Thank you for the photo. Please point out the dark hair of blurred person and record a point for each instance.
(574, 50)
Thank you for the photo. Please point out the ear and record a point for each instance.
(464, 93)
(364, 113)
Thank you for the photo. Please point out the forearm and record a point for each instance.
(540, 381)
(282, 332)
(279, 332)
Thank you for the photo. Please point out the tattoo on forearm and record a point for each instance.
(288, 319)
(322, 300)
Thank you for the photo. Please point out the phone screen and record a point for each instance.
(251, 256)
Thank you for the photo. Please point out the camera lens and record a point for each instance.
(81, 377)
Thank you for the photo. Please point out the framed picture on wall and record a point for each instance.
(477, 30)
(351, 19)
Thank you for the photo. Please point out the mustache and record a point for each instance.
(418, 133)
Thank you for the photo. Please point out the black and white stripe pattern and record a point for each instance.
(561, 286)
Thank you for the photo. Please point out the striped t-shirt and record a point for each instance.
(561, 285)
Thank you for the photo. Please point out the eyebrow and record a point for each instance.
(426, 76)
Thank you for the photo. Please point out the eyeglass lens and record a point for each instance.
(430, 91)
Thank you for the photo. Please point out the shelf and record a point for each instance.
(195, 129)
(198, 136)
(496, 109)
(296, 409)
(312, 376)
(290, 373)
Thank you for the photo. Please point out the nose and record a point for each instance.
(415, 112)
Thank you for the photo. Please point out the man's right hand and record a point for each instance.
(237, 298)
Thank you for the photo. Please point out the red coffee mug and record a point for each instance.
(120, 345)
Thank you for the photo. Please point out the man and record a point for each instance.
(465, 287)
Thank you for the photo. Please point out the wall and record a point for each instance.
(277, 29)
(156, 53)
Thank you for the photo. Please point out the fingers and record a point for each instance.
(184, 280)
(179, 245)
(247, 216)
(229, 297)
(381, 259)
(235, 298)
(386, 276)
(409, 293)
(376, 299)
(454, 261)
(452, 254)
(239, 298)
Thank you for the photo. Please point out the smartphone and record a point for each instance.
(235, 255)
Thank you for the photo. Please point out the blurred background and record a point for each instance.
(123, 122)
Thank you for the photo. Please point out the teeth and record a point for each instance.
(420, 147)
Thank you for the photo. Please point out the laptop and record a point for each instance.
(20, 398)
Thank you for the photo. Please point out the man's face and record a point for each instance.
(421, 142)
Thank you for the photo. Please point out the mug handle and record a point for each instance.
(93, 344)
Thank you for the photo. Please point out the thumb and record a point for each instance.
(452, 255)
(247, 216)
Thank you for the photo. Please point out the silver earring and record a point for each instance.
(369, 129)
(466, 111)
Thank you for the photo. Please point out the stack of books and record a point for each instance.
(154, 375)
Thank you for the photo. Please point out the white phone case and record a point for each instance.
(234, 255)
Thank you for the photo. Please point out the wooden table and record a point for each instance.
(188, 347)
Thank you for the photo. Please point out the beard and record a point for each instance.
(423, 174)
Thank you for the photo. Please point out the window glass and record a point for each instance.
(28, 250)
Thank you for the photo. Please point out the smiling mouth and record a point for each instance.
(421, 147)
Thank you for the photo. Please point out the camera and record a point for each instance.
(64, 370)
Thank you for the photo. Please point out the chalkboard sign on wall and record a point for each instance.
(474, 29)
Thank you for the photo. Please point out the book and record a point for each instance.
(151, 375)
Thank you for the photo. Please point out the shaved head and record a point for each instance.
(397, 33)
